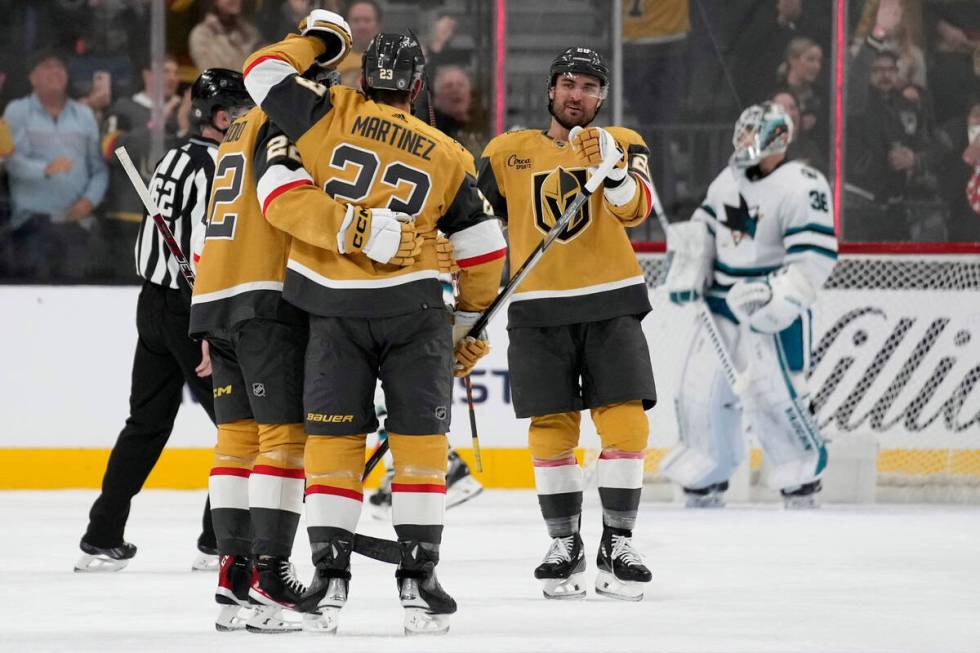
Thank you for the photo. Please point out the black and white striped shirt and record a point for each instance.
(180, 188)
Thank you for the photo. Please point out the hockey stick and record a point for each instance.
(566, 217)
(155, 215)
(703, 315)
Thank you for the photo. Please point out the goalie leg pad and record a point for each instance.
(777, 411)
(711, 445)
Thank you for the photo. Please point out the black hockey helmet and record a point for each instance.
(216, 89)
(579, 60)
(392, 62)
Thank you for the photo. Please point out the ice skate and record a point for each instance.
(274, 588)
(380, 501)
(712, 496)
(207, 558)
(562, 572)
(427, 605)
(460, 484)
(622, 573)
(234, 578)
(803, 497)
(100, 559)
(322, 602)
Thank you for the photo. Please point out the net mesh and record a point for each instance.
(895, 360)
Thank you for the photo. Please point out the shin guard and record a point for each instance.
(418, 490)
(557, 475)
(234, 455)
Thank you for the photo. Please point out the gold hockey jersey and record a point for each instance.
(358, 151)
(590, 272)
(241, 268)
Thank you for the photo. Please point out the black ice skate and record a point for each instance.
(460, 484)
(234, 579)
(427, 605)
(328, 592)
(803, 497)
(712, 496)
(207, 557)
(111, 558)
(562, 572)
(274, 588)
(622, 573)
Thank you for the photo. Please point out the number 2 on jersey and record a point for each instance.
(222, 225)
(393, 175)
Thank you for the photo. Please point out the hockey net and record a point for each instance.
(895, 367)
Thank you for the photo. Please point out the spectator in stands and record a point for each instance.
(452, 99)
(129, 124)
(953, 29)
(655, 34)
(959, 173)
(223, 39)
(802, 148)
(798, 73)
(758, 46)
(893, 150)
(57, 176)
(895, 25)
(364, 18)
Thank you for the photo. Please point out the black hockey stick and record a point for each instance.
(566, 217)
(156, 216)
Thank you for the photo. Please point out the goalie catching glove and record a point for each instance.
(333, 30)
(468, 350)
(595, 145)
(381, 234)
(772, 305)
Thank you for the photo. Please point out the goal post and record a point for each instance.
(894, 376)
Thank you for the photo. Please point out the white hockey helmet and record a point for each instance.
(762, 130)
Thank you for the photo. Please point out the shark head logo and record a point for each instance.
(742, 219)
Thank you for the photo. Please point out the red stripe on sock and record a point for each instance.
(230, 471)
(269, 470)
(418, 487)
(336, 491)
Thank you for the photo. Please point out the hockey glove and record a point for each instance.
(468, 353)
(445, 255)
(690, 250)
(333, 30)
(772, 305)
(596, 145)
(381, 234)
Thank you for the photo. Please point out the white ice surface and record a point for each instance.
(743, 579)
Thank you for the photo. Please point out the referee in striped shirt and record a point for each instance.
(166, 357)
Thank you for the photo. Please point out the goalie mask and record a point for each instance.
(392, 62)
(762, 130)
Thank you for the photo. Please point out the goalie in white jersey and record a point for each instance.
(757, 252)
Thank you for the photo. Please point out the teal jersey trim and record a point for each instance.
(823, 251)
(811, 226)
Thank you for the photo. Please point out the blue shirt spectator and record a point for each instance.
(57, 168)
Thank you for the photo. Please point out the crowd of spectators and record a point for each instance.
(76, 82)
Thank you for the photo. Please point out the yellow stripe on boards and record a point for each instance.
(510, 468)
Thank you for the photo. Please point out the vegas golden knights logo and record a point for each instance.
(555, 190)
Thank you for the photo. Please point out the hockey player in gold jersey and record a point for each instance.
(574, 322)
(368, 276)
(258, 343)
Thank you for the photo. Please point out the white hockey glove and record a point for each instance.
(772, 305)
(595, 145)
(381, 234)
(333, 30)
(691, 253)
(468, 350)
